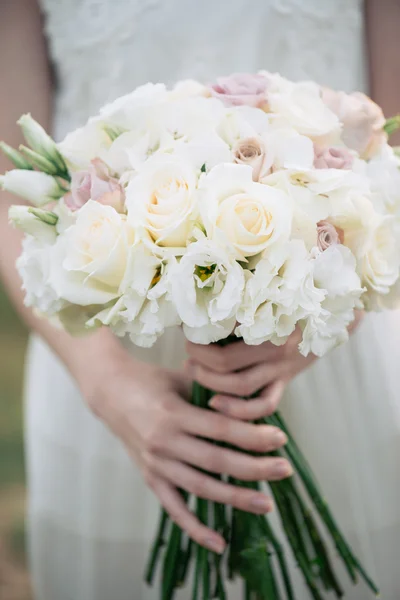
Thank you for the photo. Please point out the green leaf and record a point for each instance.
(391, 125)
(203, 168)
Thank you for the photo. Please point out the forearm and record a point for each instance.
(26, 87)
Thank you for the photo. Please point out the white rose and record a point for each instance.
(247, 216)
(299, 105)
(379, 265)
(383, 172)
(34, 267)
(36, 187)
(90, 258)
(206, 288)
(161, 200)
(374, 241)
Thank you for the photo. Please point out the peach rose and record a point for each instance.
(361, 118)
(332, 158)
(328, 235)
(241, 89)
(251, 151)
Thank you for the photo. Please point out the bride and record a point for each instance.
(107, 425)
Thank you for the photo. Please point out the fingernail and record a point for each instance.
(280, 438)
(262, 503)
(214, 545)
(283, 468)
(218, 402)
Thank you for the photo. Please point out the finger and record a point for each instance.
(204, 486)
(219, 460)
(173, 503)
(243, 383)
(248, 436)
(252, 409)
(235, 356)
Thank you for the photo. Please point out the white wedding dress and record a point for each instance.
(91, 517)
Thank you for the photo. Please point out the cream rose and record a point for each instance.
(90, 257)
(161, 200)
(380, 263)
(245, 215)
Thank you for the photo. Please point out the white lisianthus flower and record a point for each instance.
(278, 294)
(132, 148)
(81, 146)
(188, 88)
(244, 215)
(22, 218)
(157, 312)
(334, 273)
(161, 200)
(36, 187)
(289, 149)
(90, 258)
(204, 151)
(242, 122)
(206, 288)
(123, 112)
(34, 268)
(319, 193)
(300, 106)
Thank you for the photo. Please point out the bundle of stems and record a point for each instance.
(254, 551)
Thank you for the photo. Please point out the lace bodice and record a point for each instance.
(105, 48)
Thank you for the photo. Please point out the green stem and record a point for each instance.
(171, 564)
(305, 473)
(159, 542)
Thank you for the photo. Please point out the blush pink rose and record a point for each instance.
(332, 158)
(95, 184)
(241, 89)
(328, 235)
(361, 118)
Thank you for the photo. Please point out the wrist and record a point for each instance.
(94, 360)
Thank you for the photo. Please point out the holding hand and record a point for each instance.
(239, 370)
(147, 408)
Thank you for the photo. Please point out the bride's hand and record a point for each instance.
(241, 370)
(145, 407)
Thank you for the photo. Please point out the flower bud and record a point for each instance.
(41, 142)
(36, 187)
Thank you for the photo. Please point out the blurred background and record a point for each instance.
(14, 580)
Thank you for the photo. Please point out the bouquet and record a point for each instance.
(244, 209)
